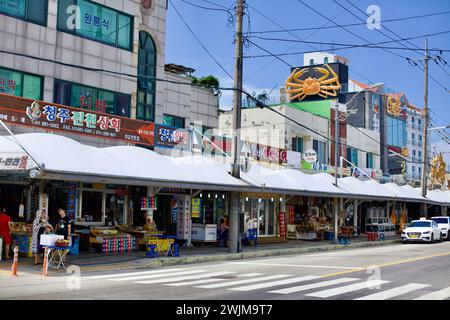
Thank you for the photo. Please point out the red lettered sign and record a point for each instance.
(282, 223)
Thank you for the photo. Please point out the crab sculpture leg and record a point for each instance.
(328, 87)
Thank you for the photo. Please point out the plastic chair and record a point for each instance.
(152, 251)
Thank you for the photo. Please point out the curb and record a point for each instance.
(259, 254)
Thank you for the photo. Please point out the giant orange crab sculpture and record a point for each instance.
(323, 87)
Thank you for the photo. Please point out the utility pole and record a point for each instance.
(425, 126)
(336, 158)
(234, 232)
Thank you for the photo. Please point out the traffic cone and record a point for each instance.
(15, 263)
(45, 263)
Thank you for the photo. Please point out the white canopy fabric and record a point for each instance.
(63, 155)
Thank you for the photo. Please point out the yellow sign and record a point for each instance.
(196, 207)
(394, 105)
(437, 170)
(323, 87)
(405, 152)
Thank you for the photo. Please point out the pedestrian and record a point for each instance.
(5, 231)
(222, 232)
(63, 224)
(38, 222)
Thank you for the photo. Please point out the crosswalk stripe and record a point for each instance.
(167, 275)
(118, 275)
(232, 283)
(190, 277)
(186, 283)
(345, 289)
(274, 283)
(437, 295)
(391, 293)
(314, 285)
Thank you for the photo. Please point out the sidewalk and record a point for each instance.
(137, 260)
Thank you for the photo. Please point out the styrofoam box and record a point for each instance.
(50, 239)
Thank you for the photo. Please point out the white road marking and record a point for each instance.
(314, 285)
(345, 289)
(391, 293)
(118, 275)
(245, 275)
(437, 295)
(296, 265)
(167, 275)
(232, 283)
(274, 283)
(190, 277)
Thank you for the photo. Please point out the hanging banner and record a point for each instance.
(54, 117)
(265, 153)
(184, 217)
(196, 207)
(15, 161)
(282, 224)
(71, 201)
(291, 214)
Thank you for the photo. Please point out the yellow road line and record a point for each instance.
(387, 264)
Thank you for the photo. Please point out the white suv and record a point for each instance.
(421, 230)
(443, 224)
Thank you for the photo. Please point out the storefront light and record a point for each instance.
(281, 199)
(271, 199)
(201, 195)
(246, 199)
(259, 200)
(209, 195)
(223, 196)
(216, 196)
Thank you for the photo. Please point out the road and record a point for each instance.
(411, 271)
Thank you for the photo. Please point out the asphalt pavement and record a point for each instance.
(405, 271)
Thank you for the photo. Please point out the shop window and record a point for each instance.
(173, 121)
(93, 99)
(97, 22)
(352, 156)
(369, 161)
(92, 206)
(325, 60)
(146, 87)
(297, 144)
(21, 84)
(34, 11)
(320, 148)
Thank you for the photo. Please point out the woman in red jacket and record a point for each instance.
(5, 232)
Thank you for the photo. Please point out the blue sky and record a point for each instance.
(376, 65)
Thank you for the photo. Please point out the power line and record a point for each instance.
(351, 24)
(344, 28)
(198, 40)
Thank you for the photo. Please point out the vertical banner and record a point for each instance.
(282, 224)
(71, 201)
(196, 207)
(291, 214)
(43, 203)
(183, 217)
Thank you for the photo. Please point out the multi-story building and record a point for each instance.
(100, 56)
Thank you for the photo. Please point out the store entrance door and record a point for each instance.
(115, 207)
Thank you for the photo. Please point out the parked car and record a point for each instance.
(421, 230)
(443, 224)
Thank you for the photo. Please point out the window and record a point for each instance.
(420, 170)
(419, 121)
(297, 144)
(414, 153)
(21, 84)
(369, 161)
(420, 137)
(311, 62)
(396, 132)
(412, 120)
(413, 169)
(413, 136)
(89, 98)
(96, 22)
(146, 72)
(173, 121)
(34, 11)
(92, 206)
(320, 147)
(420, 154)
(352, 156)
(325, 60)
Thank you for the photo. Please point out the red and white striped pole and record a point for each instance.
(16, 262)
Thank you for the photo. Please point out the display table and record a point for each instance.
(306, 236)
(56, 256)
(204, 232)
(115, 244)
(23, 241)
